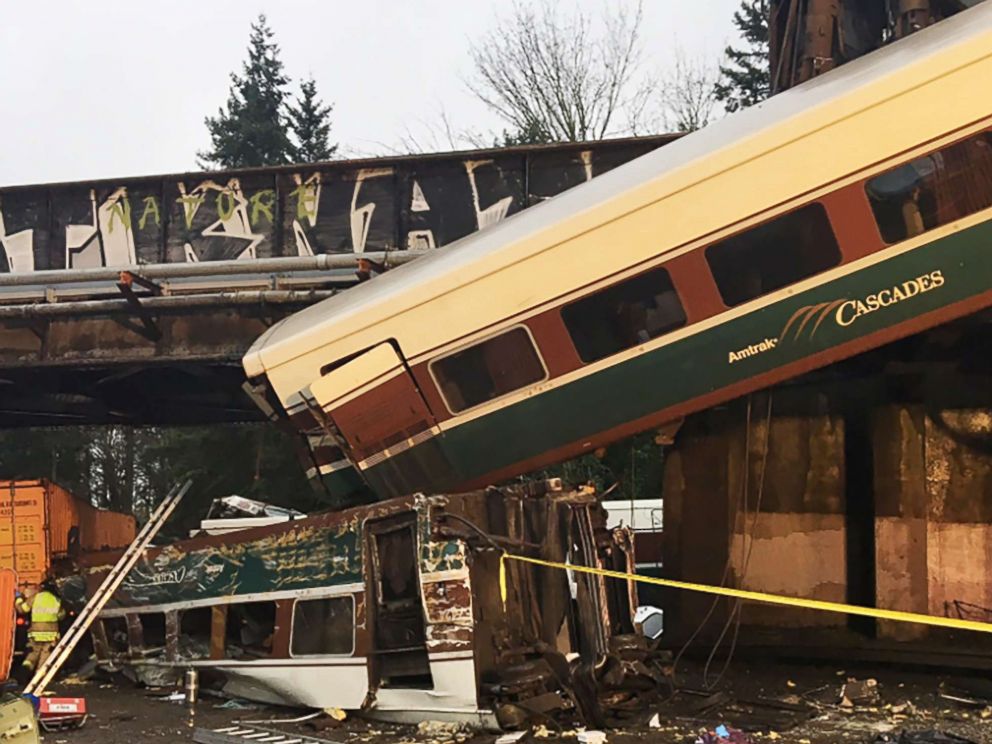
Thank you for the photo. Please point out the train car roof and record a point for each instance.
(789, 115)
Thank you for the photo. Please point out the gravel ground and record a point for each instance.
(909, 700)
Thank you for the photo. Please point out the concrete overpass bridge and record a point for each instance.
(132, 300)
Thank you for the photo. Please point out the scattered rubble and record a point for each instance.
(967, 691)
(859, 693)
(924, 737)
(908, 701)
(442, 732)
(591, 737)
(511, 738)
(724, 734)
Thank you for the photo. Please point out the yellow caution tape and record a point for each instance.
(775, 599)
(502, 578)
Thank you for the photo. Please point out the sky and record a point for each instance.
(121, 87)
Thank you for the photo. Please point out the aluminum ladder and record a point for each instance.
(110, 583)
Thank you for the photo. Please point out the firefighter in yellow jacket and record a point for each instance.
(45, 609)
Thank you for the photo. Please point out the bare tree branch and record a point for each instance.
(556, 74)
(688, 94)
(437, 134)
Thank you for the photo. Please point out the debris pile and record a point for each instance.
(723, 735)
(859, 693)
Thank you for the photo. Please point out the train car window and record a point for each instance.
(624, 315)
(773, 255)
(488, 370)
(323, 627)
(933, 190)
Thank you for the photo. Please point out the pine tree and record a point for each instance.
(309, 121)
(531, 134)
(252, 130)
(746, 78)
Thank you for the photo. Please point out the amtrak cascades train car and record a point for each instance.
(830, 219)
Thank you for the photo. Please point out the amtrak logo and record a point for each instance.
(752, 350)
(851, 310)
(845, 312)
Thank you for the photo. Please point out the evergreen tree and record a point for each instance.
(251, 130)
(131, 469)
(530, 134)
(309, 121)
(746, 78)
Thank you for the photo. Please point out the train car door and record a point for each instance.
(386, 425)
(399, 634)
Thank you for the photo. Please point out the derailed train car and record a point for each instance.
(395, 608)
(833, 218)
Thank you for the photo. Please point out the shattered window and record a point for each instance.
(251, 628)
(933, 190)
(153, 629)
(397, 573)
(323, 627)
(115, 629)
(624, 315)
(194, 633)
(774, 254)
(488, 370)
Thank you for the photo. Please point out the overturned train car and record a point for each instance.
(833, 218)
(395, 608)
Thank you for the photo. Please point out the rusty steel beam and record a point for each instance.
(819, 45)
(810, 37)
(148, 328)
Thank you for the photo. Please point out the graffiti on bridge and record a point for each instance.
(384, 204)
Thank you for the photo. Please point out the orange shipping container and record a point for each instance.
(8, 620)
(41, 523)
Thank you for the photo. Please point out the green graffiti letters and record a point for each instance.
(190, 202)
(151, 208)
(226, 205)
(306, 201)
(261, 203)
(121, 210)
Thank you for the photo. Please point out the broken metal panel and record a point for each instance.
(448, 608)
(431, 635)
(300, 558)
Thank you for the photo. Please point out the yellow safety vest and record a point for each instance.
(45, 611)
